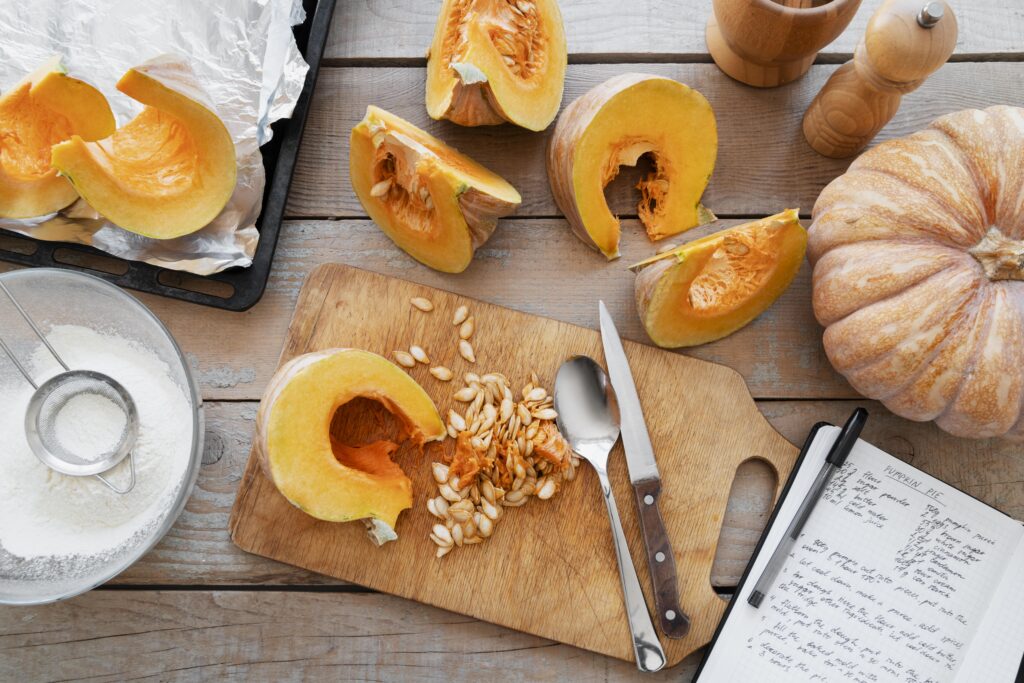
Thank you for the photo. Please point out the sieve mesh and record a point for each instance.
(54, 399)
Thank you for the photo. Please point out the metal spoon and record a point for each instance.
(588, 417)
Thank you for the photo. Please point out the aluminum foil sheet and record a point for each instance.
(245, 58)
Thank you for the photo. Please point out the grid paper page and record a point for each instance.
(889, 580)
(997, 652)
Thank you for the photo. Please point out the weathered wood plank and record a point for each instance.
(198, 551)
(536, 266)
(608, 30)
(282, 636)
(764, 163)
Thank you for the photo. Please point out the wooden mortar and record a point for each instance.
(765, 43)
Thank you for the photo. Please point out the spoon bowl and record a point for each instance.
(588, 417)
(588, 414)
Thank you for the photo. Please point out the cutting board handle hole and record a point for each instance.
(758, 480)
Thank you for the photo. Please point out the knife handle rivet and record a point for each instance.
(670, 615)
(649, 499)
(660, 557)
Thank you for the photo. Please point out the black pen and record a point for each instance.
(836, 457)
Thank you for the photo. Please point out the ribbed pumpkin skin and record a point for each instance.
(918, 254)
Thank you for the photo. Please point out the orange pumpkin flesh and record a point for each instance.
(433, 202)
(713, 286)
(316, 473)
(45, 108)
(493, 61)
(613, 125)
(166, 173)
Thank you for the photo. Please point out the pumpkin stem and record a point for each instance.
(1000, 257)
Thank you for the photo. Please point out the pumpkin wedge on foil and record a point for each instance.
(494, 61)
(613, 125)
(166, 173)
(45, 108)
(433, 202)
(709, 288)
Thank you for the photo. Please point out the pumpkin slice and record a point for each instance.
(48, 106)
(166, 173)
(711, 287)
(326, 479)
(493, 61)
(613, 125)
(433, 202)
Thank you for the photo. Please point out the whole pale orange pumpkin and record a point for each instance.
(918, 254)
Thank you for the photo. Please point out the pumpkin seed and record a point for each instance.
(537, 394)
(514, 496)
(422, 303)
(489, 509)
(440, 471)
(452, 432)
(405, 359)
(441, 372)
(380, 189)
(441, 531)
(456, 421)
(449, 493)
(461, 313)
(547, 490)
(546, 414)
(485, 526)
(441, 552)
(466, 350)
(467, 328)
(419, 354)
(465, 394)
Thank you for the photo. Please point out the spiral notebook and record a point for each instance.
(896, 577)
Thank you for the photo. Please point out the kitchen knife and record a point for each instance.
(643, 474)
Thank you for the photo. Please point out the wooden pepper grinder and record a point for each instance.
(905, 42)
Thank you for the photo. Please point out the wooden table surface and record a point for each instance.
(196, 607)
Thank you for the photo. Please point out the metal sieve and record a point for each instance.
(51, 398)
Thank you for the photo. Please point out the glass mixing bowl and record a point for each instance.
(60, 297)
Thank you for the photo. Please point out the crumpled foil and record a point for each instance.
(244, 56)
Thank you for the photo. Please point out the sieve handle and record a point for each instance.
(131, 483)
(31, 323)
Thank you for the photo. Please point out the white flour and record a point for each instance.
(47, 514)
(90, 426)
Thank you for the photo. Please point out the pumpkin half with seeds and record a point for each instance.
(433, 202)
(494, 61)
(918, 253)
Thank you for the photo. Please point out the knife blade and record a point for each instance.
(646, 481)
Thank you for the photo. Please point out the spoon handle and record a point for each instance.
(649, 654)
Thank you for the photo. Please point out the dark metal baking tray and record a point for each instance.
(235, 289)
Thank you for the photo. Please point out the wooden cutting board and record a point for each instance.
(550, 567)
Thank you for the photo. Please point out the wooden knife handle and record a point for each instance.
(660, 561)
